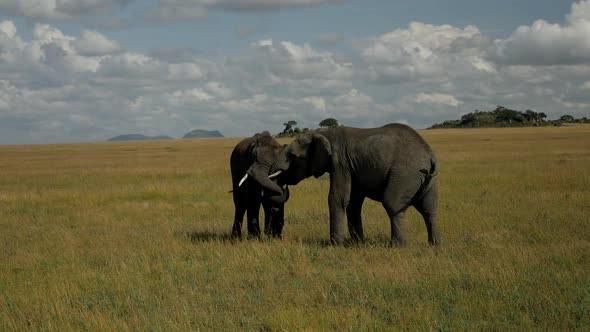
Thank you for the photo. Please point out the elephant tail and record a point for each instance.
(433, 167)
(429, 175)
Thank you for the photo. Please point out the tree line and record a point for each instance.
(499, 117)
(292, 130)
(505, 117)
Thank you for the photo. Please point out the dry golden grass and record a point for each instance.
(133, 236)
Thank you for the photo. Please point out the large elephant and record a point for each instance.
(391, 164)
(254, 156)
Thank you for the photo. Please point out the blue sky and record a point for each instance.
(88, 70)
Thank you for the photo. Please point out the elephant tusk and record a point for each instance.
(242, 180)
(275, 174)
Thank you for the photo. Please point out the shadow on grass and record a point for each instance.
(206, 236)
(348, 243)
(209, 236)
(322, 243)
(197, 237)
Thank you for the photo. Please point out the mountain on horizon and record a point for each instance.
(200, 133)
(137, 137)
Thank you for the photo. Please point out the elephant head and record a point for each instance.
(264, 153)
(310, 154)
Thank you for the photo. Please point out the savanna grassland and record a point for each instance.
(134, 236)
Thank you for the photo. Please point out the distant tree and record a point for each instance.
(505, 117)
(504, 114)
(465, 118)
(468, 119)
(567, 118)
(534, 117)
(289, 127)
(519, 118)
(329, 122)
(531, 116)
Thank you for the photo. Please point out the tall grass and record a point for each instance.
(128, 236)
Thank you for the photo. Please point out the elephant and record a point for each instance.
(391, 164)
(253, 156)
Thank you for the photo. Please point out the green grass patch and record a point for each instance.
(135, 236)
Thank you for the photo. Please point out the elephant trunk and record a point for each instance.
(260, 172)
(281, 199)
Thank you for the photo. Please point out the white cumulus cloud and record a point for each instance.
(544, 43)
(425, 51)
(318, 103)
(437, 98)
(59, 9)
(286, 59)
(186, 10)
(184, 71)
(93, 43)
(59, 85)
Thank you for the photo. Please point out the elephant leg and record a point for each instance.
(354, 216)
(427, 205)
(240, 210)
(252, 216)
(399, 192)
(277, 221)
(398, 233)
(268, 216)
(338, 201)
(274, 216)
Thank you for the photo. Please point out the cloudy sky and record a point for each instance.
(87, 70)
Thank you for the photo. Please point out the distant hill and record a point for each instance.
(137, 137)
(505, 117)
(199, 133)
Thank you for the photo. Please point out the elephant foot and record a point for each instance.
(356, 238)
(337, 241)
(398, 244)
(275, 236)
(277, 233)
(253, 236)
(253, 232)
(236, 232)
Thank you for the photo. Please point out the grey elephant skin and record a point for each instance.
(392, 164)
(254, 156)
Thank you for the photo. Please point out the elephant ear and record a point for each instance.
(320, 155)
(253, 148)
(256, 144)
(260, 142)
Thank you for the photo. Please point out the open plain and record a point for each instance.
(134, 236)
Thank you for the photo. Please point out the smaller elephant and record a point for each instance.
(392, 164)
(254, 156)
